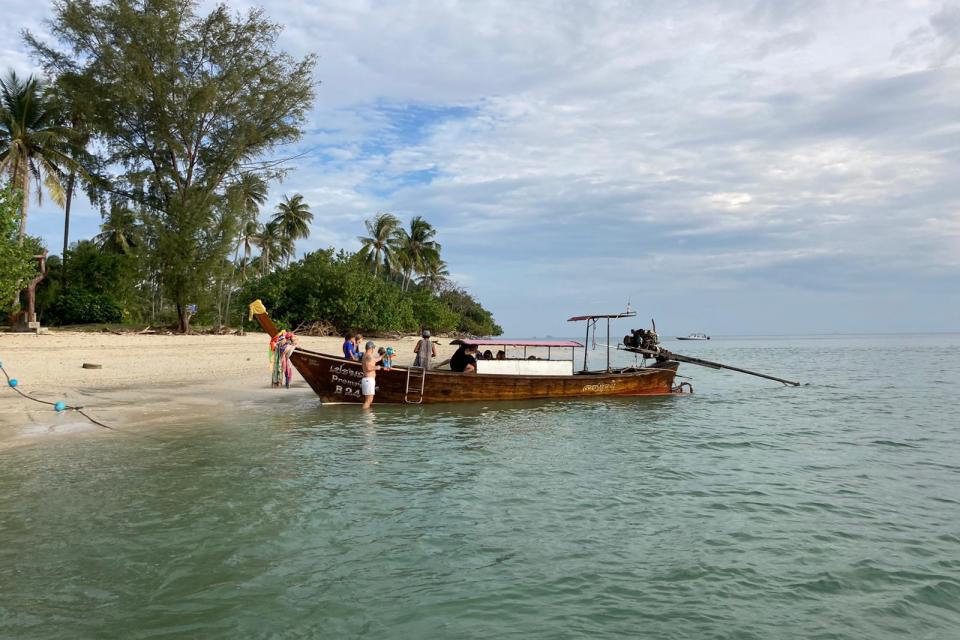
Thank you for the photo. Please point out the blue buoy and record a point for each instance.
(60, 406)
(13, 382)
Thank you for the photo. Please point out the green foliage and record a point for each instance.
(182, 104)
(340, 289)
(77, 306)
(292, 222)
(183, 101)
(16, 261)
(416, 248)
(98, 271)
(34, 147)
(90, 271)
(432, 313)
(120, 231)
(474, 319)
(378, 248)
(336, 288)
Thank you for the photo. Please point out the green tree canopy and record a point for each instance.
(292, 218)
(416, 248)
(34, 147)
(183, 101)
(120, 231)
(16, 263)
(338, 287)
(377, 248)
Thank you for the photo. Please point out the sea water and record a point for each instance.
(748, 510)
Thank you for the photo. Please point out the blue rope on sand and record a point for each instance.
(58, 406)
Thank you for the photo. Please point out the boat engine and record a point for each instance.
(642, 339)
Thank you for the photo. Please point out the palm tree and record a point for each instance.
(246, 196)
(378, 247)
(249, 235)
(119, 232)
(435, 275)
(293, 220)
(417, 247)
(34, 148)
(272, 244)
(249, 238)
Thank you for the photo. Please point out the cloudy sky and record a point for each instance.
(736, 168)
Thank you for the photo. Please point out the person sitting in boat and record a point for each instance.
(488, 355)
(358, 346)
(425, 350)
(386, 357)
(464, 360)
(501, 355)
(349, 347)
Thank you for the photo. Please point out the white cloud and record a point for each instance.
(710, 141)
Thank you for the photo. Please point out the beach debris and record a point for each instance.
(60, 406)
(91, 365)
(318, 329)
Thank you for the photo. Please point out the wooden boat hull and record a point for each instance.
(337, 379)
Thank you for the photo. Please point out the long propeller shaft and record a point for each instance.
(663, 353)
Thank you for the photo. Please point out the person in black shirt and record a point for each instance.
(464, 360)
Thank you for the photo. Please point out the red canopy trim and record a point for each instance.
(497, 342)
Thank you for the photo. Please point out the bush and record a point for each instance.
(474, 319)
(17, 266)
(83, 307)
(340, 289)
(433, 314)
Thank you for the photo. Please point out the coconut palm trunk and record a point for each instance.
(24, 201)
(71, 181)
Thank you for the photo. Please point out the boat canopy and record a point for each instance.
(498, 342)
(598, 316)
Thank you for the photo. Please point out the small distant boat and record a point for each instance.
(694, 336)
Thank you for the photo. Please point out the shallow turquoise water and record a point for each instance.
(748, 510)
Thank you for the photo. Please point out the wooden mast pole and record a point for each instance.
(608, 344)
(586, 341)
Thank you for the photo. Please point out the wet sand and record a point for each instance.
(144, 379)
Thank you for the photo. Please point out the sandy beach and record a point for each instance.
(144, 379)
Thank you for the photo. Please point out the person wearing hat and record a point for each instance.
(368, 384)
(425, 350)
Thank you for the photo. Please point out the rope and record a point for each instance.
(62, 406)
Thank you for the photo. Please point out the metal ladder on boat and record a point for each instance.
(416, 381)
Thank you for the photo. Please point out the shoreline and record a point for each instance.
(144, 379)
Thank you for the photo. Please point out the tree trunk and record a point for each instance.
(23, 206)
(66, 230)
(233, 274)
(220, 301)
(184, 318)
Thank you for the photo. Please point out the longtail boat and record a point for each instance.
(336, 379)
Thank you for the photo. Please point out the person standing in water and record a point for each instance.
(368, 385)
(425, 350)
